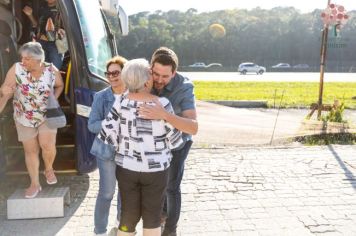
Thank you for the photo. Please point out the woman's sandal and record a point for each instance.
(50, 176)
(32, 191)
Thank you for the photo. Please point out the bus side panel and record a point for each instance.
(86, 162)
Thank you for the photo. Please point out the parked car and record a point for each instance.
(198, 65)
(211, 65)
(301, 66)
(250, 67)
(281, 65)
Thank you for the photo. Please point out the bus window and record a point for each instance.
(96, 41)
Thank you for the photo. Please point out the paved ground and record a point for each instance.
(232, 191)
(221, 125)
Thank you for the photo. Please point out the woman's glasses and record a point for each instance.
(114, 73)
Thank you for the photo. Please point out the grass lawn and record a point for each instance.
(296, 94)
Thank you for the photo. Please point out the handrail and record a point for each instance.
(66, 88)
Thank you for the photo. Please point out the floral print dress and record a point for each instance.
(31, 95)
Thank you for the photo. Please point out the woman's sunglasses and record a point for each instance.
(114, 73)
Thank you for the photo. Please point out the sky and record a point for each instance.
(135, 6)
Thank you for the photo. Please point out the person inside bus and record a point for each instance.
(30, 82)
(142, 151)
(46, 28)
(105, 154)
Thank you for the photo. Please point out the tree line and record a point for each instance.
(266, 37)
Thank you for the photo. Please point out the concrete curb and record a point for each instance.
(241, 103)
(313, 127)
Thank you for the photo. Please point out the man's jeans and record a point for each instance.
(51, 53)
(176, 171)
(107, 184)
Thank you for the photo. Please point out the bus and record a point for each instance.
(91, 43)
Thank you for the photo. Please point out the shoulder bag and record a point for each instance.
(54, 115)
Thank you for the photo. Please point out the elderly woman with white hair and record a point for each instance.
(143, 151)
(30, 83)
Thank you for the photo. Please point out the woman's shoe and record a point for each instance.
(32, 191)
(50, 177)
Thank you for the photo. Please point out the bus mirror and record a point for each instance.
(123, 21)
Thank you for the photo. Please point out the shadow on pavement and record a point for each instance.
(349, 175)
(79, 186)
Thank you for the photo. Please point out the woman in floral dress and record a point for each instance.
(30, 82)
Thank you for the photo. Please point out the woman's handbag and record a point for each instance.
(60, 36)
(55, 116)
(61, 43)
(50, 30)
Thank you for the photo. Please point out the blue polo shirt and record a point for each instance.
(180, 92)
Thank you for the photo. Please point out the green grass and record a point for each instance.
(296, 94)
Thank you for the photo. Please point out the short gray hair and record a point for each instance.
(135, 74)
(34, 50)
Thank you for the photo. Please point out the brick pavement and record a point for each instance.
(232, 191)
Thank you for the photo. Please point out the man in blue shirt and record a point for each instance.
(179, 91)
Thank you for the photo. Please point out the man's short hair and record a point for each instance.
(166, 57)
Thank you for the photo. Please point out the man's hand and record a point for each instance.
(62, 33)
(153, 111)
(27, 10)
(186, 123)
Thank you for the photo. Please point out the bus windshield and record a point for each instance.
(95, 35)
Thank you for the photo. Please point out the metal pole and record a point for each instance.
(324, 42)
(275, 123)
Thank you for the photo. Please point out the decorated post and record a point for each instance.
(333, 16)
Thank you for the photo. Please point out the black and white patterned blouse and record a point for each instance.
(141, 145)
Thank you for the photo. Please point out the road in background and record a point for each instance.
(273, 76)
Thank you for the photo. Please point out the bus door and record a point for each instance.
(92, 45)
(8, 56)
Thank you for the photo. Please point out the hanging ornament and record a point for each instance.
(335, 16)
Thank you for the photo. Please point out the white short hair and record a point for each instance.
(135, 74)
(34, 50)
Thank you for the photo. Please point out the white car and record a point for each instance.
(282, 65)
(214, 65)
(301, 66)
(249, 67)
(198, 65)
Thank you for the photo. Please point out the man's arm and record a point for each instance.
(28, 11)
(8, 88)
(187, 122)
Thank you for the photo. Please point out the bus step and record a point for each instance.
(50, 202)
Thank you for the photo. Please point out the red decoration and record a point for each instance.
(334, 15)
